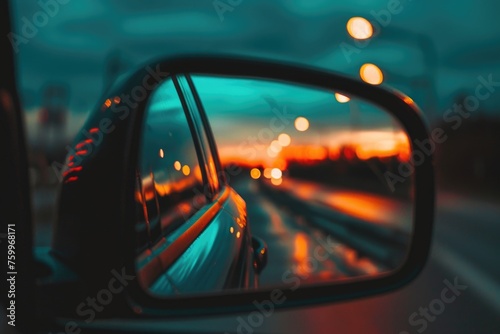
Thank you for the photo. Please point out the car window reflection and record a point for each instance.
(169, 180)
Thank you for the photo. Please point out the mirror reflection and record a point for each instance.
(249, 183)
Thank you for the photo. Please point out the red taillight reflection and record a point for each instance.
(71, 179)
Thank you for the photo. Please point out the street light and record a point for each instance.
(371, 74)
(301, 124)
(359, 28)
(341, 98)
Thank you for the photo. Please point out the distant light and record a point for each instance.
(276, 173)
(371, 74)
(359, 28)
(276, 182)
(231, 229)
(161, 153)
(267, 173)
(301, 124)
(177, 165)
(71, 179)
(186, 170)
(271, 153)
(238, 234)
(275, 146)
(117, 100)
(255, 173)
(284, 139)
(107, 103)
(341, 98)
(82, 152)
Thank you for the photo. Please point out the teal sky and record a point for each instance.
(240, 109)
(74, 46)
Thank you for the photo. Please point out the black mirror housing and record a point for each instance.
(109, 174)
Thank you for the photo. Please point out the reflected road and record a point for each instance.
(312, 240)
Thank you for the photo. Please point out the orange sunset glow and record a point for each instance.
(360, 145)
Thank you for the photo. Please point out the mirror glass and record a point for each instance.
(247, 183)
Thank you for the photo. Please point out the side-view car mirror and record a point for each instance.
(214, 182)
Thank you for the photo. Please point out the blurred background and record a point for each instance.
(445, 55)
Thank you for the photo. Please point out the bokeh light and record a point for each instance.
(267, 173)
(255, 173)
(276, 173)
(341, 98)
(277, 182)
(284, 139)
(271, 153)
(177, 165)
(371, 74)
(359, 28)
(275, 146)
(301, 124)
(186, 170)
